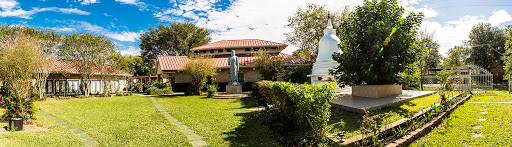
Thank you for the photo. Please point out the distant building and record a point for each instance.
(169, 68)
(65, 78)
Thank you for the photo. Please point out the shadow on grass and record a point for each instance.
(252, 132)
(170, 96)
(248, 102)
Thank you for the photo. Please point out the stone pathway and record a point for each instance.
(193, 138)
(88, 140)
(484, 111)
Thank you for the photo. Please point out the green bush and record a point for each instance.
(13, 107)
(160, 85)
(307, 106)
(256, 87)
(128, 94)
(298, 74)
(102, 95)
(119, 94)
(211, 90)
(156, 91)
(138, 87)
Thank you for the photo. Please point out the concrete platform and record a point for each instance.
(356, 104)
(224, 95)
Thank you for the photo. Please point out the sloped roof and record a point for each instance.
(69, 66)
(170, 63)
(246, 43)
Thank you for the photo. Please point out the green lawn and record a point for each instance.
(222, 122)
(458, 129)
(135, 121)
(350, 122)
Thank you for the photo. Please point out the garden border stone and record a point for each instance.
(386, 129)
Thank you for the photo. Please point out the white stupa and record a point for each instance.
(327, 47)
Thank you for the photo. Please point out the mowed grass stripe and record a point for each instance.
(117, 121)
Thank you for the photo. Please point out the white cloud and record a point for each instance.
(498, 17)
(131, 51)
(63, 29)
(87, 2)
(73, 11)
(11, 8)
(133, 2)
(124, 36)
(142, 6)
(246, 19)
(409, 6)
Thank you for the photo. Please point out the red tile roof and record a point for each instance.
(227, 44)
(170, 63)
(68, 66)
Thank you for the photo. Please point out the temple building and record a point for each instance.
(169, 68)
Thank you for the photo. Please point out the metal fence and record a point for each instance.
(468, 77)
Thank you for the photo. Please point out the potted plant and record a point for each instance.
(378, 43)
(18, 108)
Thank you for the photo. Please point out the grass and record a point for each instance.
(350, 122)
(222, 122)
(458, 128)
(115, 121)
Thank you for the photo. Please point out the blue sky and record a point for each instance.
(123, 20)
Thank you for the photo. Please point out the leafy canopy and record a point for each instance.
(269, 66)
(199, 68)
(377, 44)
(176, 39)
(487, 45)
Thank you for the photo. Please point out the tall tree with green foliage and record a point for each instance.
(176, 39)
(308, 25)
(20, 56)
(431, 59)
(457, 56)
(487, 45)
(508, 52)
(48, 41)
(89, 51)
(269, 66)
(199, 68)
(378, 42)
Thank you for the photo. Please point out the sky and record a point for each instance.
(124, 20)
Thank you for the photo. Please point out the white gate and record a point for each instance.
(469, 77)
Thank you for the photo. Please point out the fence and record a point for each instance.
(468, 77)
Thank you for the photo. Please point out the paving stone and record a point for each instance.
(78, 132)
(165, 113)
(478, 127)
(54, 119)
(158, 106)
(64, 124)
(177, 123)
(91, 143)
(477, 135)
(182, 126)
(86, 137)
(71, 128)
(482, 119)
(173, 120)
(483, 112)
(187, 131)
(198, 143)
(484, 105)
(484, 109)
(194, 137)
(59, 121)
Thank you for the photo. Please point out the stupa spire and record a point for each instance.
(329, 24)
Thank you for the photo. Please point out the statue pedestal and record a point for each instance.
(233, 89)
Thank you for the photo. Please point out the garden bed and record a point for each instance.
(399, 128)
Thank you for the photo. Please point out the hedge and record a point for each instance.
(156, 91)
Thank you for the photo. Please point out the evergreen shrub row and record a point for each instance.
(158, 91)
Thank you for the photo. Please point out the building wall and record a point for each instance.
(54, 79)
(249, 74)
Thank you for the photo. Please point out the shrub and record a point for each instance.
(266, 93)
(211, 90)
(13, 107)
(446, 80)
(160, 85)
(102, 95)
(199, 69)
(128, 94)
(298, 74)
(119, 94)
(256, 87)
(138, 87)
(305, 105)
(156, 91)
(269, 66)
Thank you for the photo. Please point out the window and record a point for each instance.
(247, 49)
(274, 49)
(228, 50)
(220, 51)
(49, 87)
(256, 49)
(96, 86)
(195, 52)
(212, 51)
(264, 49)
(60, 86)
(73, 86)
(203, 51)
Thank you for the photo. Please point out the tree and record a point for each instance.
(431, 59)
(508, 53)
(199, 69)
(308, 25)
(457, 56)
(378, 42)
(487, 46)
(298, 74)
(48, 40)
(268, 66)
(176, 39)
(88, 52)
(20, 56)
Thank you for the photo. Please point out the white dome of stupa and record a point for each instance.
(328, 45)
